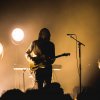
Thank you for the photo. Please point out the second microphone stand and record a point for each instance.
(79, 48)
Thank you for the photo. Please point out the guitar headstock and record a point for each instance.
(66, 54)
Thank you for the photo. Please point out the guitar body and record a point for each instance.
(34, 67)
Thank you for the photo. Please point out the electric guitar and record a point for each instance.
(36, 62)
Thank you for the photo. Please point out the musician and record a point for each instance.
(42, 52)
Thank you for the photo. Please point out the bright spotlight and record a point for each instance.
(99, 63)
(17, 34)
(1, 50)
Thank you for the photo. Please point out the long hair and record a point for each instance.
(44, 34)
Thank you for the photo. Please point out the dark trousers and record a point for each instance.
(43, 75)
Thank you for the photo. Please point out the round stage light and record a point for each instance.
(99, 63)
(1, 51)
(18, 34)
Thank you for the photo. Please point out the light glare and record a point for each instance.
(99, 63)
(1, 51)
(18, 34)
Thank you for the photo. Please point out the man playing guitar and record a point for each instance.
(40, 52)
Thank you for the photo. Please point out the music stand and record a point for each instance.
(24, 70)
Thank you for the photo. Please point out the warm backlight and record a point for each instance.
(18, 34)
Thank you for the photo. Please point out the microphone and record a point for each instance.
(70, 34)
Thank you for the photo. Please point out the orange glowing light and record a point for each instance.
(1, 50)
(18, 34)
(99, 63)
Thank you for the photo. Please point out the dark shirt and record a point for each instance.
(43, 48)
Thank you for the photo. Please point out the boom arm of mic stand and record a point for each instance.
(77, 41)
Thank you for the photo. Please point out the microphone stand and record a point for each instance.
(79, 48)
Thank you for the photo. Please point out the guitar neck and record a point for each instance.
(64, 54)
(58, 56)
